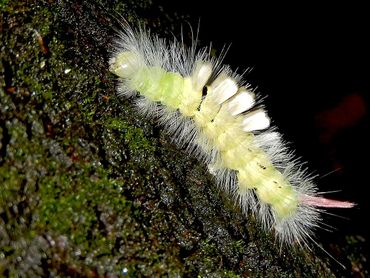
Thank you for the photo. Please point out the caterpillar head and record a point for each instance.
(125, 64)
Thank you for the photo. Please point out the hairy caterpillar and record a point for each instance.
(209, 110)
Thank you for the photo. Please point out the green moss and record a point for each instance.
(88, 187)
(133, 136)
(73, 205)
(56, 197)
(4, 5)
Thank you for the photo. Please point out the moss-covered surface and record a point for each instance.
(88, 188)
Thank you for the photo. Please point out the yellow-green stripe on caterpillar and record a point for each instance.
(207, 108)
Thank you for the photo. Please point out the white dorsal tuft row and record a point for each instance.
(223, 88)
(201, 74)
(256, 120)
(225, 91)
(242, 102)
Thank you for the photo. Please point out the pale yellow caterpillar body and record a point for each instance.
(208, 109)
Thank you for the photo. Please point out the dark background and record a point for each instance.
(104, 166)
(312, 63)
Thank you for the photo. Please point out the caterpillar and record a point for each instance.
(212, 112)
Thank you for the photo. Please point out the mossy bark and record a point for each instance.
(90, 188)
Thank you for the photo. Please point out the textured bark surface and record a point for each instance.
(89, 188)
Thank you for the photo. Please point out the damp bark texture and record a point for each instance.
(89, 188)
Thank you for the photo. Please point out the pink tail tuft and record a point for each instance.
(325, 203)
